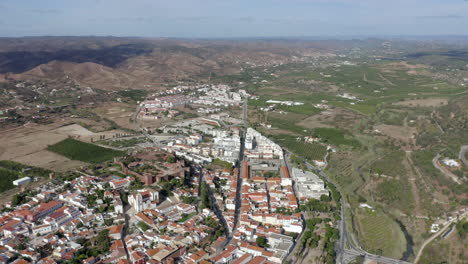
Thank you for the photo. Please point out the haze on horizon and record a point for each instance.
(224, 18)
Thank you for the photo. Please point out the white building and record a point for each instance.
(308, 184)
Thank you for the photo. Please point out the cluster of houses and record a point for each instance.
(268, 209)
(225, 143)
(162, 106)
(208, 99)
(258, 146)
(220, 96)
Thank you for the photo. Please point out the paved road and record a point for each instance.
(239, 166)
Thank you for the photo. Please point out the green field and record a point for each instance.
(86, 152)
(380, 235)
(306, 150)
(287, 124)
(136, 95)
(336, 137)
(390, 164)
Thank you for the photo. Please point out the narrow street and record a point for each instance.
(125, 229)
(215, 208)
(239, 167)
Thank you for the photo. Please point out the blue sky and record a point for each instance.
(233, 18)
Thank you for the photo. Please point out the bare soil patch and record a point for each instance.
(436, 102)
(330, 118)
(397, 132)
(49, 160)
(120, 113)
(28, 144)
(74, 129)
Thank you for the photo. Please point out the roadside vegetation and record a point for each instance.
(123, 143)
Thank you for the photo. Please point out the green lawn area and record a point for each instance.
(86, 152)
(379, 234)
(305, 150)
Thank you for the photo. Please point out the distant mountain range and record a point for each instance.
(114, 63)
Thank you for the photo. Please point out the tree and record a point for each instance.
(170, 159)
(205, 198)
(325, 198)
(143, 226)
(103, 241)
(262, 241)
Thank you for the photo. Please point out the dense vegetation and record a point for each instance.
(223, 164)
(262, 241)
(91, 247)
(86, 152)
(10, 171)
(136, 95)
(6, 179)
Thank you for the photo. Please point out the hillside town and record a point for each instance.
(212, 193)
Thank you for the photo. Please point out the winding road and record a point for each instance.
(446, 172)
(441, 231)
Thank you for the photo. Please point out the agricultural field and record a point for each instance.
(386, 137)
(309, 151)
(336, 137)
(135, 95)
(379, 234)
(390, 164)
(85, 152)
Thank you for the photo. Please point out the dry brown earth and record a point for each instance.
(424, 102)
(397, 132)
